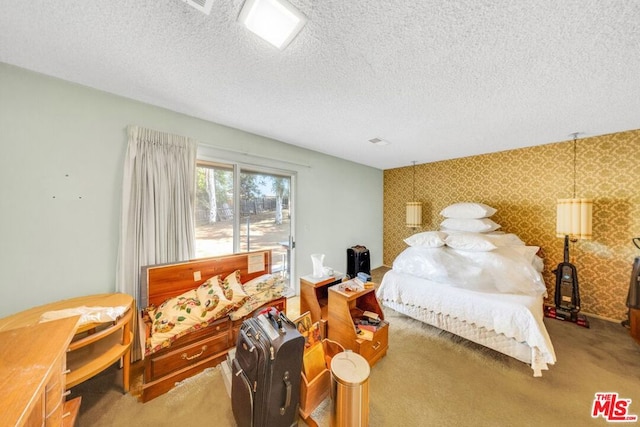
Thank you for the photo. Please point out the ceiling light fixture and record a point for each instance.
(276, 21)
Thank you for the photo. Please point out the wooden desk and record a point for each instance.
(95, 346)
(32, 374)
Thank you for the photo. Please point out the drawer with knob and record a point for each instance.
(181, 356)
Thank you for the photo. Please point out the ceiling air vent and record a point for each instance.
(379, 142)
(203, 6)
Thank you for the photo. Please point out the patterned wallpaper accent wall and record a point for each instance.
(523, 186)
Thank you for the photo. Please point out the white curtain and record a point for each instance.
(158, 194)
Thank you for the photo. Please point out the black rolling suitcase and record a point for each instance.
(358, 261)
(266, 372)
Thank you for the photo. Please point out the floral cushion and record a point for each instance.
(189, 311)
(262, 290)
(232, 288)
(211, 296)
(262, 283)
(176, 311)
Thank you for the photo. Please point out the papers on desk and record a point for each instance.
(87, 314)
(353, 285)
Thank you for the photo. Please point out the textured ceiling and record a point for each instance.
(439, 79)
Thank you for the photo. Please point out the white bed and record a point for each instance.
(491, 296)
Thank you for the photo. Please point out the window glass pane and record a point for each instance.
(214, 210)
(265, 221)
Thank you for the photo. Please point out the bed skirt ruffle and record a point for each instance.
(480, 335)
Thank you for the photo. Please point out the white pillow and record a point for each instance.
(470, 242)
(482, 225)
(505, 239)
(428, 239)
(528, 252)
(467, 210)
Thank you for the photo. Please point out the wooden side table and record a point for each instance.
(314, 297)
(345, 307)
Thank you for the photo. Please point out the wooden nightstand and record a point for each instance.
(314, 297)
(345, 307)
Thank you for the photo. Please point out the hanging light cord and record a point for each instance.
(575, 137)
(414, 181)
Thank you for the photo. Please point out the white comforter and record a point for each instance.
(514, 315)
(507, 269)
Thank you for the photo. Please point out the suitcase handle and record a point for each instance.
(245, 338)
(287, 400)
(277, 320)
(286, 319)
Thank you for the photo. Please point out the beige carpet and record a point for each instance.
(428, 377)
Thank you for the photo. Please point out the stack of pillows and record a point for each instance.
(469, 217)
(464, 228)
(474, 255)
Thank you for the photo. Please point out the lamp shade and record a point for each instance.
(414, 214)
(574, 218)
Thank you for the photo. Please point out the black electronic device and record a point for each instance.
(567, 297)
(358, 260)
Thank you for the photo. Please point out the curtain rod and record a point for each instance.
(260, 156)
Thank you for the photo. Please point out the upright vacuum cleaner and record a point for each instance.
(633, 297)
(567, 298)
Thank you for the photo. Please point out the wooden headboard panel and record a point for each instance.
(159, 282)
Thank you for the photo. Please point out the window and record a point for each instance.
(214, 210)
(240, 209)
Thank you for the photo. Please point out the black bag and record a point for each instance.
(266, 372)
(358, 261)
